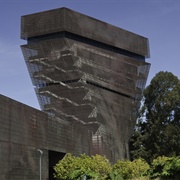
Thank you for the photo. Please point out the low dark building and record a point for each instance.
(24, 130)
(89, 77)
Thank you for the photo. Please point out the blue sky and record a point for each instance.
(158, 20)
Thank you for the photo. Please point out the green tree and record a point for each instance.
(94, 167)
(157, 132)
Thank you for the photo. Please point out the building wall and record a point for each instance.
(87, 72)
(64, 19)
(24, 130)
(89, 77)
(89, 86)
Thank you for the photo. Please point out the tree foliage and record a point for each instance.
(157, 132)
(94, 167)
(99, 168)
(131, 169)
(166, 168)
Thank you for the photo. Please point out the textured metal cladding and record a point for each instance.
(90, 87)
(24, 129)
(64, 19)
(20, 139)
(48, 22)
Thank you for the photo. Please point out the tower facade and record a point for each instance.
(88, 74)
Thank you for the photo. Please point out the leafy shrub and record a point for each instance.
(114, 175)
(98, 168)
(166, 167)
(123, 168)
(94, 167)
(130, 170)
(64, 167)
(140, 168)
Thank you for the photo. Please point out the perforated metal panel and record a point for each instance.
(88, 77)
(24, 130)
(63, 19)
(87, 72)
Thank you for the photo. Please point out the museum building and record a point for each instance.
(89, 77)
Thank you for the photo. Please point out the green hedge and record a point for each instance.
(99, 168)
(165, 168)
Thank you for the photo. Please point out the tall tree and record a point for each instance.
(157, 131)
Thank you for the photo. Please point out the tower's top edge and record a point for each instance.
(64, 19)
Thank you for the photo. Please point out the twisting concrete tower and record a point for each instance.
(87, 73)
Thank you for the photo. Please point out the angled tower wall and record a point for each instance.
(88, 73)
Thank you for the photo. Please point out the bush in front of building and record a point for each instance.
(98, 167)
(83, 166)
(165, 168)
(131, 169)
